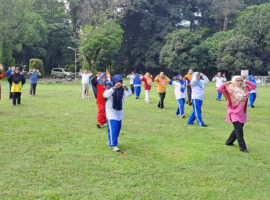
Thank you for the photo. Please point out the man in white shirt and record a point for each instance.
(219, 81)
(131, 76)
(197, 87)
(85, 83)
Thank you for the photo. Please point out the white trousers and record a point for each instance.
(147, 92)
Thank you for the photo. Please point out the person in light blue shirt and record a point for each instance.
(33, 73)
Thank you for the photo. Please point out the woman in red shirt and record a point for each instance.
(99, 85)
(148, 80)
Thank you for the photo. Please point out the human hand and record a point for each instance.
(216, 75)
(98, 74)
(108, 74)
(223, 75)
(117, 85)
(229, 82)
(201, 74)
(125, 87)
(12, 73)
(1, 66)
(244, 80)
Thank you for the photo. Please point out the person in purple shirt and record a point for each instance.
(33, 73)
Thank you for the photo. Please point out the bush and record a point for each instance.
(85, 66)
(71, 68)
(37, 64)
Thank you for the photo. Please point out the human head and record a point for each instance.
(251, 77)
(116, 79)
(180, 77)
(237, 81)
(190, 71)
(13, 68)
(219, 74)
(147, 75)
(85, 71)
(17, 70)
(103, 77)
(162, 75)
(133, 73)
(34, 70)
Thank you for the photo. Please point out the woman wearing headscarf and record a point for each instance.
(180, 92)
(197, 88)
(17, 81)
(148, 80)
(137, 83)
(115, 95)
(99, 85)
(237, 96)
(3, 75)
(253, 93)
(161, 81)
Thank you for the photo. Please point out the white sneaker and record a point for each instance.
(99, 125)
(87, 97)
(183, 116)
(83, 97)
(104, 124)
(115, 149)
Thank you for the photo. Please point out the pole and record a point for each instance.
(75, 65)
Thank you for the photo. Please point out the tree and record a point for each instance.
(239, 53)
(107, 35)
(183, 51)
(37, 64)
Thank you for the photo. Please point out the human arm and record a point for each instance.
(167, 80)
(214, 79)
(205, 79)
(3, 72)
(127, 91)
(38, 72)
(250, 85)
(171, 81)
(23, 80)
(10, 79)
(29, 72)
(94, 81)
(258, 81)
(224, 78)
(221, 89)
(156, 79)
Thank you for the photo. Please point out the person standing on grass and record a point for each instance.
(99, 85)
(253, 93)
(219, 81)
(137, 85)
(197, 88)
(189, 90)
(17, 81)
(180, 92)
(237, 96)
(115, 95)
(9, 72)
(85, 83)
(131, 76)
(148, 80)
(3, 75)
(161, 81)
(33, 73)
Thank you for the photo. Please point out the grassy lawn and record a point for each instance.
(51, 149)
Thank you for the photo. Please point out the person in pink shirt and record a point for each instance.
(148, 80)
(237, 96)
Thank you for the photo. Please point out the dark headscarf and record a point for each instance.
(96, 81)
(118, 93)
(182, 82)
(16, 78)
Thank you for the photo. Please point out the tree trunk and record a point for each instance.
(95, 59)
(225, 22)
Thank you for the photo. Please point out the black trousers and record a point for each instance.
(132, 88)
(33, 87)
(237, 134)
(16, 96)
(161, 100)
(10, 94)
(189, 93)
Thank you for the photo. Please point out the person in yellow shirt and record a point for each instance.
(17, 81)
(189, 77)
(161, 81)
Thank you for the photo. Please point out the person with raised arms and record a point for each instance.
(137, 83)
(99, 85)
(237, 97)
(3, 75)
(148, 80)
(131, 76)
(219, 81)
(180, 92)
(161, 81)
(253, 93)
(33, 73)
(197, 87)
(115, 95)
(85, 82)
(189, 92)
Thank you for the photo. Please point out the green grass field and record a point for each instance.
(46, 153)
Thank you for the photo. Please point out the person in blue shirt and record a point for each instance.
(33, 73)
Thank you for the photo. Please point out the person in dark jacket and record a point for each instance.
(17, 81)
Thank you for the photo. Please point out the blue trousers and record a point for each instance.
(180, 109)
(252, 98)
(114, 128)
(196, 113)
(219, 95)
(137, 91)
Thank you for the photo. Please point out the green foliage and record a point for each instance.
(37, 64)
(71, 68)
(107, 35)
(239, 53)
(183, 51)
(86, 66)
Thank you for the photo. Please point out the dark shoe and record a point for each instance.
(190, 104)
(19, 104)
(190, 124)
(219, 99)
(252, 106)
(99, 125)
(229, 144)
(245, 151)
(204, 125)
(137, 97)
(187, 102)
(13, 105)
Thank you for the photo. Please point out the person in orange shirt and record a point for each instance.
(161, 81)
(189, 77)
